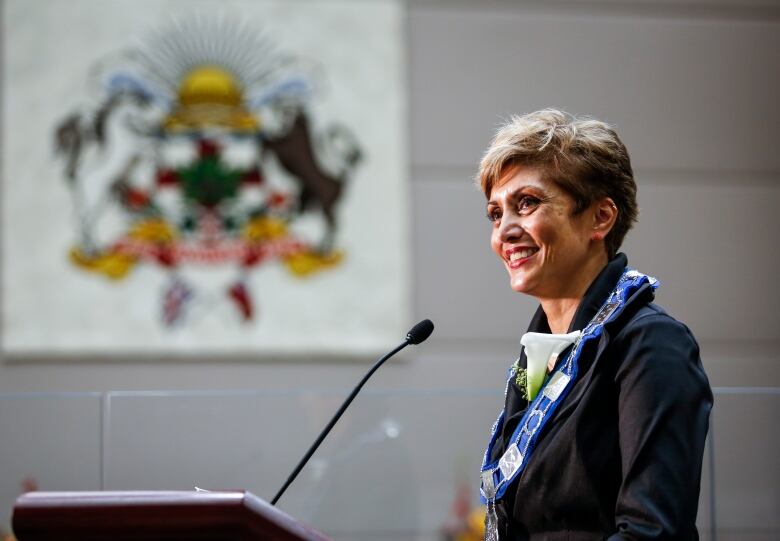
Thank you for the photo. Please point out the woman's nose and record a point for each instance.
(510, 228)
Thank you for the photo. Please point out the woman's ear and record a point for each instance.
(604, 216)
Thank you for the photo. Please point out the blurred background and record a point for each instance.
(692, 87)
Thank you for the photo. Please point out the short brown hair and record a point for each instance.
(584, 156)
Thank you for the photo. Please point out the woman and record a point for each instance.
(611, 445)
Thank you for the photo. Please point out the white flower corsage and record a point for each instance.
(541, 349)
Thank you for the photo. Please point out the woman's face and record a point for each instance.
(536, 234)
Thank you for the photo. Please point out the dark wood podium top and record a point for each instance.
(159, 515)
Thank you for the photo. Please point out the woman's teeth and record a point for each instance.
(522, 254)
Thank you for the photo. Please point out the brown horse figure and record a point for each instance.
(319, 189)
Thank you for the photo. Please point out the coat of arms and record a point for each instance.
(200, 158)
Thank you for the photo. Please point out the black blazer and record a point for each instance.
(621, 458)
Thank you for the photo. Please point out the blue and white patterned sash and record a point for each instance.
(498, 475)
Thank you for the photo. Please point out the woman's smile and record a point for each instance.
(519, 256)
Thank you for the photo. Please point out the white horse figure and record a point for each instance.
(113, 145)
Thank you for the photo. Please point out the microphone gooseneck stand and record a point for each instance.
(417, 334)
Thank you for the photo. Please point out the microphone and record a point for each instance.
(420, 332)
(416, 335)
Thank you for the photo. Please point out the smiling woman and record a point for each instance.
(611, 445)
(544, 244)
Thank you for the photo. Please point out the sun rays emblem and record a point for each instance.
(199, 159)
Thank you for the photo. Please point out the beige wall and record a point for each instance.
(693, 89)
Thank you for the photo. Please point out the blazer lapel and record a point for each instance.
(592, 353)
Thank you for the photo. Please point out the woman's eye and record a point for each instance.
(493, 215)
(527, 203)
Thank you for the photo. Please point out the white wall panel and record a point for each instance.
(714, 247)
(685, 93)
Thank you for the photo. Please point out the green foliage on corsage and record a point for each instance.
(521, 379)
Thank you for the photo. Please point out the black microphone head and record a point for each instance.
(420, 332)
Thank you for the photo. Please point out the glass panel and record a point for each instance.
(747, 470)
(704, 517)
(47, 442)
(391, 468)
(400, 465)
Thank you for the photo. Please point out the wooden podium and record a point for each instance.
(122, 516)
